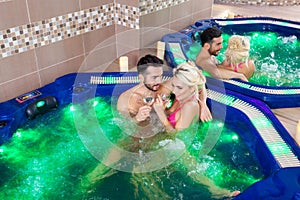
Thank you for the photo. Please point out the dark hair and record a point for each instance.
(209, 34)
(148, 60)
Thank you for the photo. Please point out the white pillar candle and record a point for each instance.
(297, 136)
(160, 50)
(123, 63)
(230, 15)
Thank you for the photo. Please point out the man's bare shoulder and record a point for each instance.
(124, 98)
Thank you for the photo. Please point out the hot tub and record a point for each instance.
(274, 48)
(272, 148)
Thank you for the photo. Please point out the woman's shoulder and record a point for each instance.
(191, 105)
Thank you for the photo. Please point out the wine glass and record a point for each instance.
(148, 100)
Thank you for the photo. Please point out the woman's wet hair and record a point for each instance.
(148, 60)
(209, 34)
(190, 74)
(238, 49)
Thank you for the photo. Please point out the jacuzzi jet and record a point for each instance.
(79, 89)
(3, 124)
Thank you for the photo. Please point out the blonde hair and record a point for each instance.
(189, 74)
(238, 49)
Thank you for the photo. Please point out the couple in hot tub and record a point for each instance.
(149, 105)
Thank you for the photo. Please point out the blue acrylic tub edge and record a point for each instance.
(63, 86)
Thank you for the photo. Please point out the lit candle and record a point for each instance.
(123, 63)
(160, 50)
(297, 136)
(230, 15)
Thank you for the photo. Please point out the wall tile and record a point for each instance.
(180, 11)
(100, 58)
(40, 10)
(19, 86)
(181, 23)
(155, 19)
(48, 75)
(200, 5)
(134, 3)
(150, 36)
(13, 13)
(84, 4)
(99, 38)
(18, 65)
(60, 51)
(129, 39)
(204, 14)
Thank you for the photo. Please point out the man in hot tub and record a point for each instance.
(211, 39)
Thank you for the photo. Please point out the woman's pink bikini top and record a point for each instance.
(172, 117)
(236, 67)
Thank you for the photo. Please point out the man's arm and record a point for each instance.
(130, 105)
(210, 65)
(228, 74)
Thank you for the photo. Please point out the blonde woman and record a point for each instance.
(237, 56)
(185, 84)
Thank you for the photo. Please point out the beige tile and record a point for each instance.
(13, 13)
(59, 52)
(129, 39)
(150, 36)
(201, 5)
(19, 86)
(134, 3)
(133, 54)
(155, 19)
(182, 10)
(84, 4)
(181, 23)
(100, 58)
(17, 65)
(120, 28)
(48, 75)
(203, 14)
(40, 10)
(99, 38)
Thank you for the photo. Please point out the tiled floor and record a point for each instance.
(289, 117)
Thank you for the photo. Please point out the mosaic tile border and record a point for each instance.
(127, 16)
(262, 2)
(149, 6)
(27, 37)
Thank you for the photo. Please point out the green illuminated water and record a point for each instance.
(277, 58)
(47, 160)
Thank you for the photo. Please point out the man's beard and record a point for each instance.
(214, 53)
(149, 87)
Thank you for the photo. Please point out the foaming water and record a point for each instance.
(46, 159)
(277, 57)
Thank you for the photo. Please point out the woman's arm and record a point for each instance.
(205, 114)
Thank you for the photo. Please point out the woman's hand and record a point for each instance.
(159, 105)
(205, 114)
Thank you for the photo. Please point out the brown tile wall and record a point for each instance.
(42, 40)
(261, 2)
(161, 17)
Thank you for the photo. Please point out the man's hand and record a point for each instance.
(143, 113)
